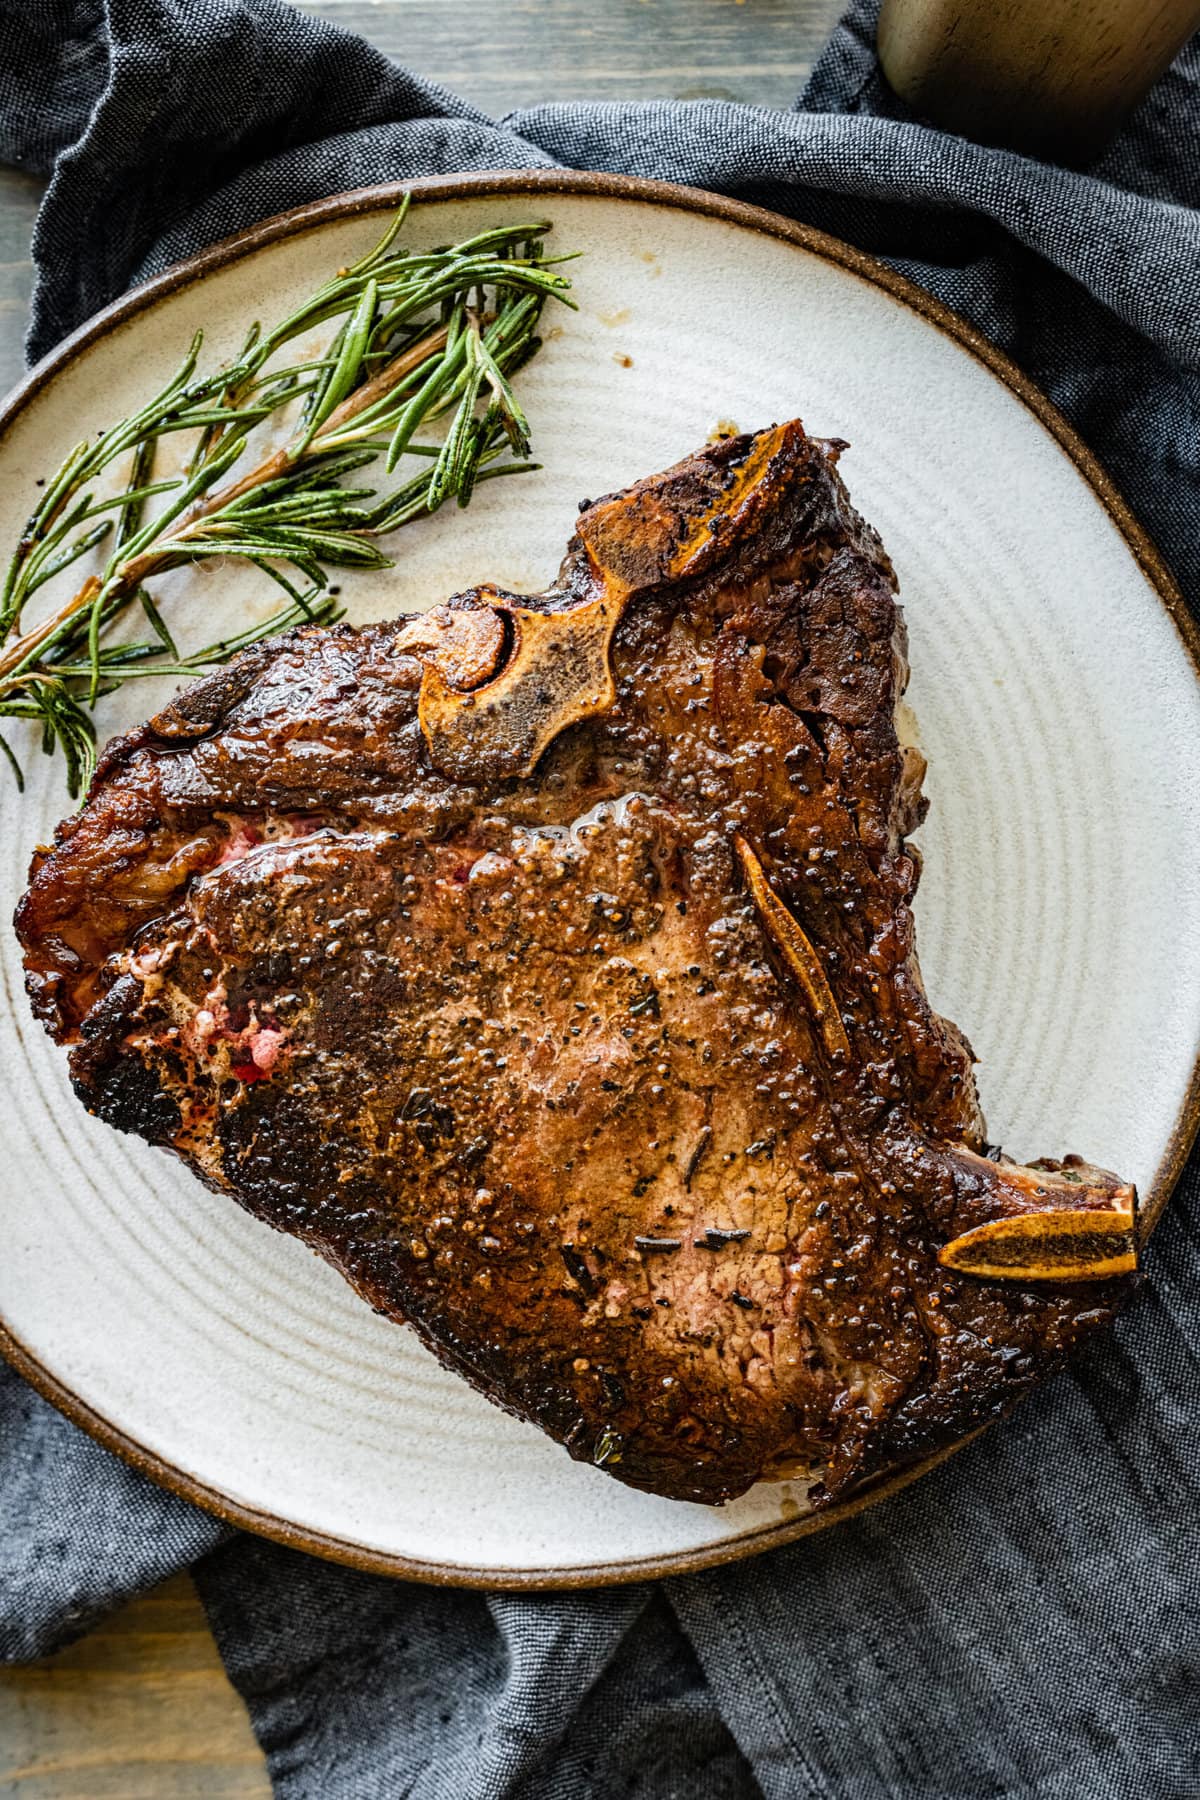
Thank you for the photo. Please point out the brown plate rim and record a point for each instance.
(521, 182)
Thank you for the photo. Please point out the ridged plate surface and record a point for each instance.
(1056, 702)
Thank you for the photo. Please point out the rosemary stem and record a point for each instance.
(280, 461)
(417, 337)
(24, 648)
(130, 575)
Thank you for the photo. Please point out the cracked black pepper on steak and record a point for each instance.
(546, 963)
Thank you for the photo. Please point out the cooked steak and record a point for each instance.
(546, 963)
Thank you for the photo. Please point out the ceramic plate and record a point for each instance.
(1056, 695)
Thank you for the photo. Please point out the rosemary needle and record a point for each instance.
(421, 337)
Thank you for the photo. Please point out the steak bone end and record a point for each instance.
(547, 963)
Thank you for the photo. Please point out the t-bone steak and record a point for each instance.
(546, 963)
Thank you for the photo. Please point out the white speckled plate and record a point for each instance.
(1055, 684)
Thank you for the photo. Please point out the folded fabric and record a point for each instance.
(1023, 1622)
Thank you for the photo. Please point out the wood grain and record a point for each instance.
(19, 198)
(141, 1709)
(503, 54)
(520, 52)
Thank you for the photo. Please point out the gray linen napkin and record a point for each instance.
(1022, 1623)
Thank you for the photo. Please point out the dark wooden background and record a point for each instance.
(141, 1709)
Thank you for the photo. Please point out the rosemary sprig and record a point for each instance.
(422, 337)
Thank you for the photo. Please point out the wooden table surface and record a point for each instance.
(141, 1709)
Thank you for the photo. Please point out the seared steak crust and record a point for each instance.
(512, 1043)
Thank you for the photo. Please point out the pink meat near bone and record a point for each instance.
(547, 964)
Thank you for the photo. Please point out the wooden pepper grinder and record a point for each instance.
(1053, 78)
